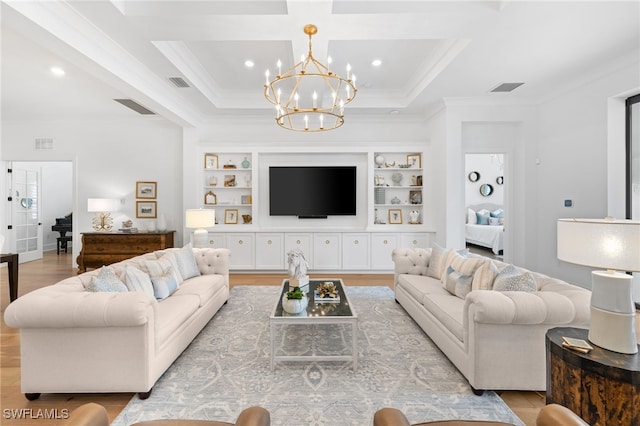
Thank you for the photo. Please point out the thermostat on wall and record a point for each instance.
(568, 203)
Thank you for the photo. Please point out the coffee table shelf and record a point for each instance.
(332, 313)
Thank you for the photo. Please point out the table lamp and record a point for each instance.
(102, 207)
(200, 219)
(614, 245)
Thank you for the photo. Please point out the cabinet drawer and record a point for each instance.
(269, 251)
(381, 247)
(356, 251)
(327, 251)
(242, 250)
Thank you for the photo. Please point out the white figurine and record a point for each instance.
(298, 267)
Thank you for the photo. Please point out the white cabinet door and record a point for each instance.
(242, 248)
(415, 240)
(269, 251)
(216, 240)
(356, 251)
(327, 251)
(381, 247)
(300, 241)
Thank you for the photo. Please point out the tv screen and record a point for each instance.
(313, 191)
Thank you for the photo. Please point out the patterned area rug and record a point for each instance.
(227, 368)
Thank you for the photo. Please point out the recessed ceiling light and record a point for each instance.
(394, 112)
(376, 62)
(57, 71)
(249, 63)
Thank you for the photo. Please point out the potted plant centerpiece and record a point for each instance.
(294, 301)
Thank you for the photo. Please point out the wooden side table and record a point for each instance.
(602, 387)
(12, 260)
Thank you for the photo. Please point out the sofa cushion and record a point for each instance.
(204, 287)
(164, 285)
(514, 279)
(137, 280)
(485, 275)
(172, 313)
(436, 262)
(106, 280)
(448, 310)
(457, 283)
(459, 261)
(186, 261)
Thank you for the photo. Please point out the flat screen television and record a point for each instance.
(312, 191)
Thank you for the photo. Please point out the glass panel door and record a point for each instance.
(26, 213)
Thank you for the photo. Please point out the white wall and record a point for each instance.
(574, 160)
(108, 158)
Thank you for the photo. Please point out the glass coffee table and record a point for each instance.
(319, 333)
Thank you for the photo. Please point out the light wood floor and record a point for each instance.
(53, 268)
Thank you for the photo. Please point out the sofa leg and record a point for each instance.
(477, 392)
(145, 395)
(32, 396)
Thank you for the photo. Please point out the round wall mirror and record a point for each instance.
(474, 176)
(486, 189)
(500, 180)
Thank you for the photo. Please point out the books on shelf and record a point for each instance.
(579, 345)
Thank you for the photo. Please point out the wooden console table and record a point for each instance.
(602, 387)
(104, 248)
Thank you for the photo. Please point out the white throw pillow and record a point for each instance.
(136, 280)
(485, 276)
(459, 261)
(436, 262)
(106, 281)
(472, 219)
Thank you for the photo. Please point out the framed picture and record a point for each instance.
(146, 209)
(414, 160)
(415, 196)
(210, 161)
(231, 216)
(146, 190)
(210, 199)
(395, 216)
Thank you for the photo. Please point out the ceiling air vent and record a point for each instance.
(506, 87)
(135, 106)
(179, 82)
(44, 143)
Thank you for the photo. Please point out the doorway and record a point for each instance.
(39, 193)
(485, 216)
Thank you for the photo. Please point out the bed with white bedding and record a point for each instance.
(485, 226)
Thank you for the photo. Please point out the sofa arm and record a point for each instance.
(48, 308)
(519, 307)
(410, 261)
(212, 260)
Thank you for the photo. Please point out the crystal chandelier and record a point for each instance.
(309, 97)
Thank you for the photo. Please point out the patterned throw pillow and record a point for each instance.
(163, 286)
(512, 279)
(186, 261)
(457, 283)
(136, 280)
(106, 280)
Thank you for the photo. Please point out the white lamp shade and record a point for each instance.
(102, 205)
(600, 243)
(200, 218)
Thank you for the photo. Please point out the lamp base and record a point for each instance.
(200, 237)
(613, 314)
(613, 331)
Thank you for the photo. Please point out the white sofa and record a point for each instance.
(77, 341)
(496, 339)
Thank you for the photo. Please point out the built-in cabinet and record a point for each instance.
(391, 211)
(346, 251)
(227, 187)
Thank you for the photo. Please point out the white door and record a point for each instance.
(26, 211)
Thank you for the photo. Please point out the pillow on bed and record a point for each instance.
(483, 219)
(495, 221)
(497, 213)
(472, 219)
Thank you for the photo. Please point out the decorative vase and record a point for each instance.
(414, 215)
(294, 306)
(379, 160)
(162, 223)
(245, 163)
(151, 227)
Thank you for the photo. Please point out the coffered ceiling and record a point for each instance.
(428, 50)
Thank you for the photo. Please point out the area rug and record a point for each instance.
(227, 368)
